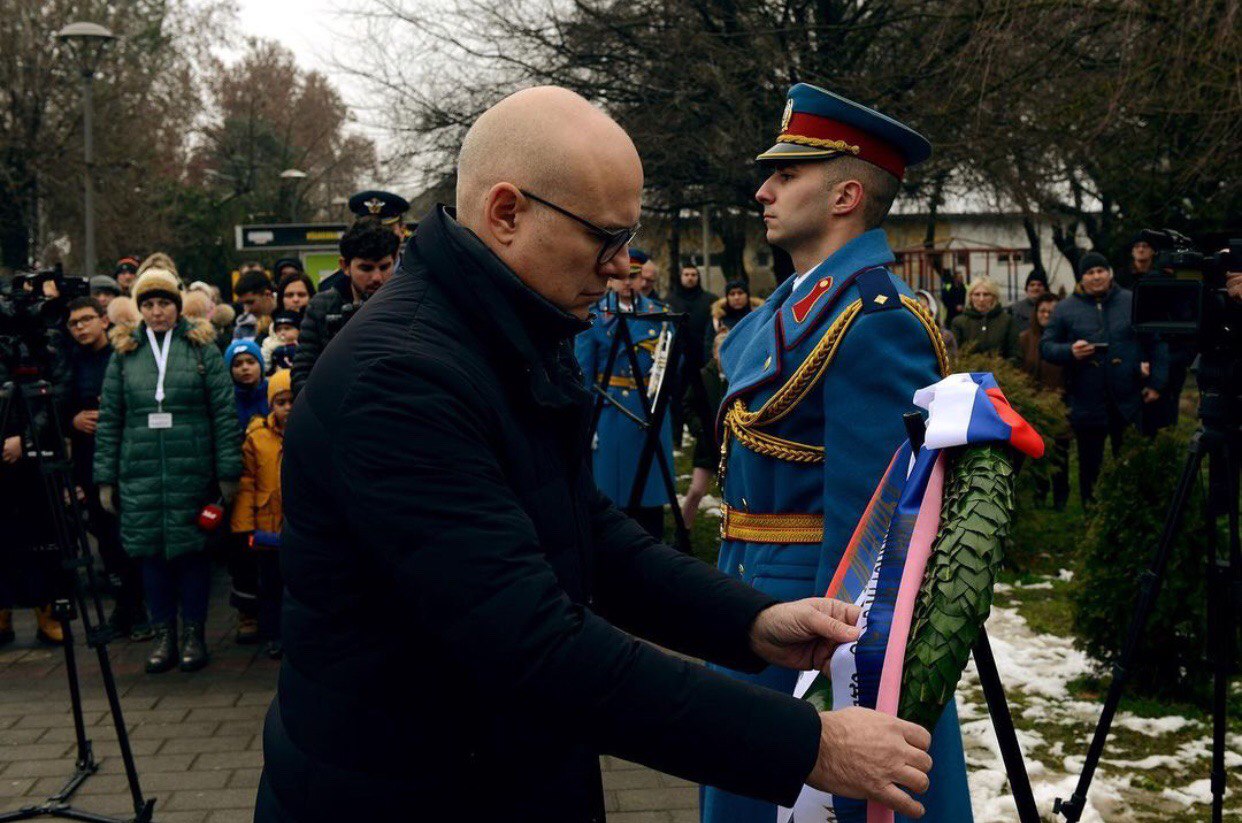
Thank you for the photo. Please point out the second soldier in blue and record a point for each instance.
(819, 378)
(618, 439)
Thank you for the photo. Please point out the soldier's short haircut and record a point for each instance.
(252, 282)
(369, 239)
(879, 187)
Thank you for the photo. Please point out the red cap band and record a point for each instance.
(871, 149)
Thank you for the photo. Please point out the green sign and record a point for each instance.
(288, 236)
(320, 264)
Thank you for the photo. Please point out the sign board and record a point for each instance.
(288, 236)
(320, 264)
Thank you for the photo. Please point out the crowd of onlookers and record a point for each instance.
(174, 403)
(175, 400)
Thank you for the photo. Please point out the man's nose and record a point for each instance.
(763, 195)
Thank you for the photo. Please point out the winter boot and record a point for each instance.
(50, 630)
(163, 649)
(193, 648)
(6, 627)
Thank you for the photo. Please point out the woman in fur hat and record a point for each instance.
(167, 443)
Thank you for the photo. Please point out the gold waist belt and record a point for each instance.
(618, 382)
(752, 527)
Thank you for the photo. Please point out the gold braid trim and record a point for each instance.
(933, 331)
(752, 527)
(742, 424)
(817, 142)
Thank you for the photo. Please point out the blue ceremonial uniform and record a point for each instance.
(619, 440)
(819, 378)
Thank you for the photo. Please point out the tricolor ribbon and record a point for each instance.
(882, 568)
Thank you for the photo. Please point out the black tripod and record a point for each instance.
(77, 597)
(653, 410)
(993, 691)
(1219, 443)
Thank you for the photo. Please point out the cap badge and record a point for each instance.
(787, 116)
(374, 205)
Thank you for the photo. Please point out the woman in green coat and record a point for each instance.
(167, 443)
(985, 324)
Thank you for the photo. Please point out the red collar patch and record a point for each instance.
(803, 307)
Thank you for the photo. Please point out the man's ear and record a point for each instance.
(502, 208)
(847, 198)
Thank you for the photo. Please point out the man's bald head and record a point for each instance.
(552, 143)
(545, 139)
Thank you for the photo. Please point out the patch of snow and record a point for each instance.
(1199, 791)
(1034, 586)
(1153, 725)
(1065, 575)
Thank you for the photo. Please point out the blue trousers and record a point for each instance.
(183, 581)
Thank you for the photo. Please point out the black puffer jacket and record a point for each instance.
(335, 300)
(458, 591)
(1106, 378)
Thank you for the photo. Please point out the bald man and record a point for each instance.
(462, 603)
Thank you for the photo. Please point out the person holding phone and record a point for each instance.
(1110, 371)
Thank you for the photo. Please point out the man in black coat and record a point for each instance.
(460, 596)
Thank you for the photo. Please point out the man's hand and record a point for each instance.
(86, 421)
(803, 634)
(1233, 285)
(1150, 395)
(868, 755)
(1082, 349)
(107, 499)
(1145, 369)
(12, 449)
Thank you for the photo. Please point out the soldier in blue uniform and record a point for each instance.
(819, 378)
(619, 440)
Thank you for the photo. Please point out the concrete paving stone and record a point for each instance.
(67, 734)
(95, 784)
(610, 763)
(110, 804)
(231, 816)
(151, 764)
(260, 698)
(245, 779)
(135, 716)
(217, 799)
(34, 751)
(685, 815)
(59, 767)
(202, 745)
(198, 816)
(239, 727)
(7, 722)
(128, 704)
(228, 713)
(165, 782)
(17, 786)
(229, 760)
(146, 731)
(632, 779)
(634, 800)
(52, 720)
(110, 748)
(20, 737)
(201, 701)
(673, 782)
(639, 817)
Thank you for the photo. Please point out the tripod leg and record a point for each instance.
(1222, 499)
(1149, 590)
(85, 765)
(1006, 735)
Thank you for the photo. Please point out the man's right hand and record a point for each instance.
(1082, 349)
(864, 754)
(107, 499)
(86, 421)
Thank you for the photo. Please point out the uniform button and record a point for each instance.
(741, 570)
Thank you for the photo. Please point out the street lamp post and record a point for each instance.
(288, 181)
(89, 41)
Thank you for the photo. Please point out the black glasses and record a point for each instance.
(614, 240)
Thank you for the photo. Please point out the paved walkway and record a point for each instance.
(196, 737)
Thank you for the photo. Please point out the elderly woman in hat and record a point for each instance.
(167, 445)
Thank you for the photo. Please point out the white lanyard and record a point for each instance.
(161, 363)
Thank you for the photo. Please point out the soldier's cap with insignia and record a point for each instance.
(818, 124)
(385, 205)
(637, 258)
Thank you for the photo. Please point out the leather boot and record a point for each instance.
(193, 648)
(163, 649)
(50, 630)
(6, 627)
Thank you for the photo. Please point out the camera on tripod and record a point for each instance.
(1185, 295)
